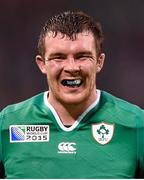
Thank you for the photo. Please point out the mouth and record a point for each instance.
(72, 82)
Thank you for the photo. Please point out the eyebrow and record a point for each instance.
(56, 54)
(84, 53)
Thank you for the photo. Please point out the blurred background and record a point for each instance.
(21, 22)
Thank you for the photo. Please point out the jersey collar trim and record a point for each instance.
(94, 104)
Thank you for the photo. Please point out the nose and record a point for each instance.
(71, 66)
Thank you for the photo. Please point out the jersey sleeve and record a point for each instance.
(2, 174)
(0, 136)
(140, 146)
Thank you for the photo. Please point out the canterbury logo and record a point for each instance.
(67, 147)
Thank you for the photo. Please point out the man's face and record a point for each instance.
(71, 67)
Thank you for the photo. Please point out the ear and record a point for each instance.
(100, 62)
(41, 64)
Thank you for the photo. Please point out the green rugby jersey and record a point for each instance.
(106, 141)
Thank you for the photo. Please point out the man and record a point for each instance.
(73, 130)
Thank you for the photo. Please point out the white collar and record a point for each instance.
(95, 103)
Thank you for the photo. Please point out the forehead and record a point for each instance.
(84, 40)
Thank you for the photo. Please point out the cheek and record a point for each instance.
(53, 70)
(91, 75)
(90, 70)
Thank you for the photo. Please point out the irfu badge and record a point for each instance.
(103, 132)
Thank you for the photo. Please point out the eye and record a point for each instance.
(57, 58)
(84, 57)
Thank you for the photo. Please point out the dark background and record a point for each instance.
(21, 22)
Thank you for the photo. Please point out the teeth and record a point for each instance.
(73, 82)
(76, 82)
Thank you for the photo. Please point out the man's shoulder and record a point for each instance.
(35, 100)
(121, 106)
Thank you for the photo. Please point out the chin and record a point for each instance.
(72, 99)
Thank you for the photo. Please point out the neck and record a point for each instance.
(69, 113)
